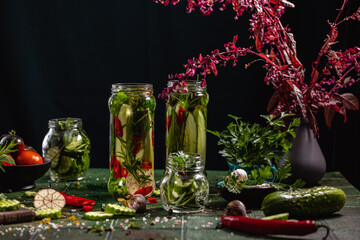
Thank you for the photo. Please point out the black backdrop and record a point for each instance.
(59, 59)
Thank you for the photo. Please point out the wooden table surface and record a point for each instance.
(344, 225)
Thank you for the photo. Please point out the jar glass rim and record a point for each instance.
(194, 161)
(65, 123)
(192, 84)
(131, 87)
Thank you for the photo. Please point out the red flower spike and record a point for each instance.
(117, 127)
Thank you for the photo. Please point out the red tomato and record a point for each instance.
(28, 158)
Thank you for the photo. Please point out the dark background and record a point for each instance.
(59, 59)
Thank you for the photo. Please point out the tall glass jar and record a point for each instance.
(184, 187)
(186, 120)
(132, 107)
(68, 147)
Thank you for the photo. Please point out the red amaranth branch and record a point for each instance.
(276, 46)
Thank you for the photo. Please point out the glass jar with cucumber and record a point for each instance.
(132, 107)
(186, 119)
(68, 147)
(184, 187)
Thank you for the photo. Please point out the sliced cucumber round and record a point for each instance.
(119, 210)
(9, 205)
(98, 215)
(52, 213)
(280, 216)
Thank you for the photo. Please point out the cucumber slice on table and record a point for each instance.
(190, 135)
(280, 216)
(120, 210)
(98, 215)
(52, 213)
(9, 205)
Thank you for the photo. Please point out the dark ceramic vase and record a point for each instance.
(306, 158)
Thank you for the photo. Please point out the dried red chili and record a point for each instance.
(260, 226)
(117, 127)
(144, 191)
(77, 201)
(180, 116)
(152, 200)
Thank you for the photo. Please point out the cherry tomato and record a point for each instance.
(28, 158)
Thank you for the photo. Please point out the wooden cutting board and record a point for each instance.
(17, 216)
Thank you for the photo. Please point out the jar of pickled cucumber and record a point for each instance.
(68, 147)
(184, 188)
(186, 119)
(131, 158)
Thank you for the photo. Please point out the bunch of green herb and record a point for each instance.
(260, 176)
(248, 144)
(7, 149)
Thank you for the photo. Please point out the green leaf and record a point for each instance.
(7, 159)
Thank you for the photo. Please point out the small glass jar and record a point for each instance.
(184, 188)
(68, 147)
(131, 158)
(186, 119)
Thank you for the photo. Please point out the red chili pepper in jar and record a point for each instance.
(117, 127)
(146, 164)
(77, 201)
(116, 166)
(260, 226)
(137, 145)
(180, 115)
(124, 172)
(152, 138)
(168, 121)
(144, 191)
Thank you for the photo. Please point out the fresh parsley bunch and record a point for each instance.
(246, 144)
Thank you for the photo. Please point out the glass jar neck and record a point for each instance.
(192, 85)
(65, 123)
(186, 162)
(132, 88)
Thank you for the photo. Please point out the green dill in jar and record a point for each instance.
(131, 158)
(68, 147)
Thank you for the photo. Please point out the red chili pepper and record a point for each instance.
(117, 127)
(152, 138)
(144, 191)
(77, 201)
(87, 208)
(180, 116)
(146, 164)
(168, 121)
(124, 172)
(152, 200)
(137, 145)
(116, 166)
(260, 226)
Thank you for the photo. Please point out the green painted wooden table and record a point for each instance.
(344, 225)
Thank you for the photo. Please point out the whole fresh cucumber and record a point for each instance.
(306, 203)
